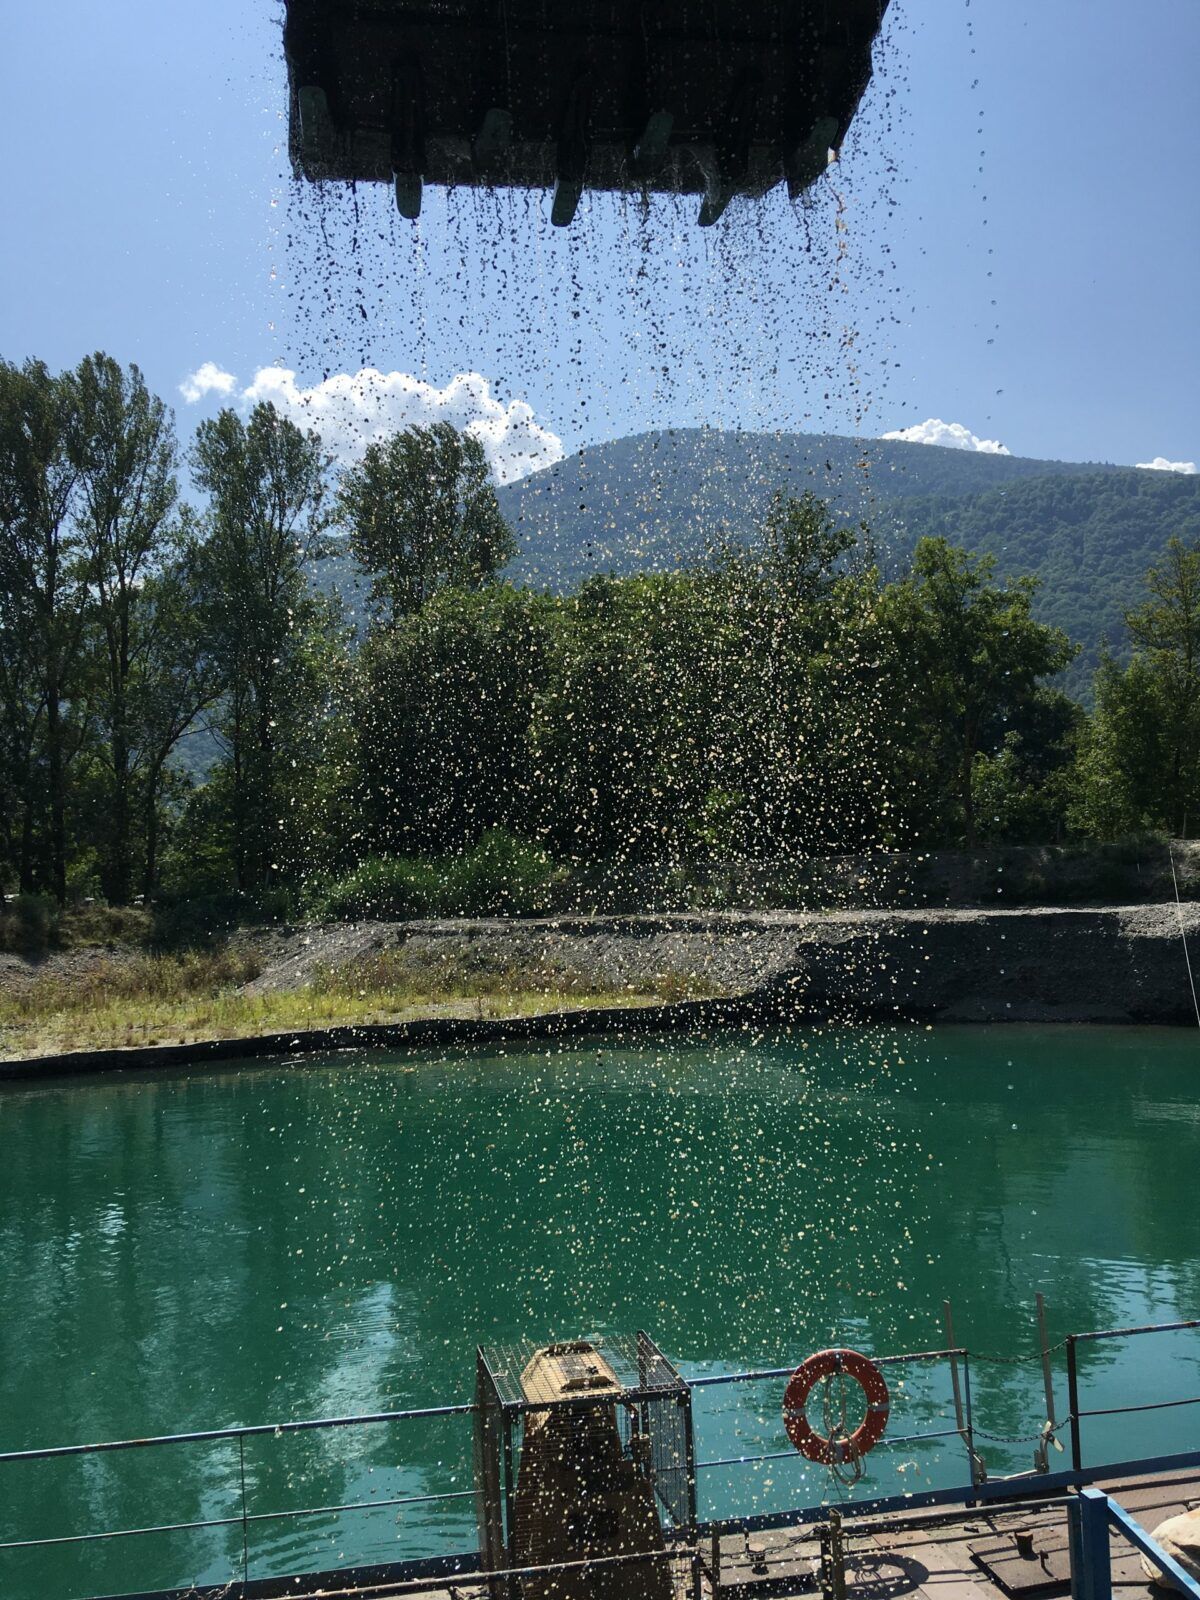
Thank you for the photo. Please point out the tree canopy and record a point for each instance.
(421, 513)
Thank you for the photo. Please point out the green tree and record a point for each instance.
(1139, 765)
(422, 515)
(1023, 788)
(179, 681)
(723, 712)
(442, 708)
(805, 727)
(967, 656)
(122, 448)
(273, 643)
(621, 733)
(44, 605)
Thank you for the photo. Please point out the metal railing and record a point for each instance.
(245, 1517)
(964, 1424)
(959, 1423)
(1077, 1414)
(1091, 1515)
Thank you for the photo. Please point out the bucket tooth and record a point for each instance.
(408, 134)
(574, 147)
(809, 159)
(732, 153)
(316, 124)
(717, 195)
(650, 150)
(567, 195)
(408, 194)
(490, 145)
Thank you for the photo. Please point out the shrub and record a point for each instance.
(29, 923)
(185, 922)
(502, 875)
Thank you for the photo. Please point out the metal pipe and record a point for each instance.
(999, 1492)
(714, 1378)
(361, 1505)
(1151, 1405)
(210, 1435)
(245, 1523)
(1146, 1327)
(1047, 1373)
(1091, 1543)
(948, 1320)
(790, 1455)
(421, 1586)
(978, 1469)
(251, 1516)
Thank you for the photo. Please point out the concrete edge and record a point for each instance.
(421, 1033)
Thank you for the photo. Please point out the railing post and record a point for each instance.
(832, 1545)
(1091, 1560)
(245, 1522)
(1073, 1402)
(1041, 1460)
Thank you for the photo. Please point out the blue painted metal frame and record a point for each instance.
(1091, 1514)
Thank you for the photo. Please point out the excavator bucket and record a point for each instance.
(708, 97)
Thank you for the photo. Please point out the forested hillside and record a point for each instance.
(1087, 538)
(656, 501)
(810, 678)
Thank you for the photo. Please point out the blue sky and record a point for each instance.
(1011, 243)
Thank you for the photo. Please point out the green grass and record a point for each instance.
(179, 999)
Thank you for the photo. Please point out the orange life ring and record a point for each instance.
(810, 1443)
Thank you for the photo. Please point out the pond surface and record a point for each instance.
(200, 1249)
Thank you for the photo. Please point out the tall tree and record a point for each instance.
(123, 450)
(1165, 629)
(967, 655)
(43, 570)
(265, 481)
(806, 715)
(179, 681)
(422, 515)
(1140, 761)
(441, 714)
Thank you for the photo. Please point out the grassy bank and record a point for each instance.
(177, 999)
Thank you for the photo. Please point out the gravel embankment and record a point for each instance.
(1112, 964)
(1109, 964)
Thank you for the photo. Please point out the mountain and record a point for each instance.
(657, 501)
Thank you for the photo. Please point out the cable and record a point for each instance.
(1182, 933)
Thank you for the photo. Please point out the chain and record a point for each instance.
(1046, 1431)
(1016, 1361)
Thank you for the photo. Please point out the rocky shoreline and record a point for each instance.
(1107, 964)
(1111, 965)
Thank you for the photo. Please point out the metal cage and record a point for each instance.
(653, 1412)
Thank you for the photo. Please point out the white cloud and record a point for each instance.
(1161, 464)
(951, 434)
(208, 379)
(349, 410)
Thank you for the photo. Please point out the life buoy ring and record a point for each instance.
(815, 1446)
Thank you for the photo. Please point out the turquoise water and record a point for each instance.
(192, 1250)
